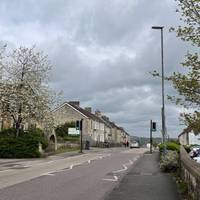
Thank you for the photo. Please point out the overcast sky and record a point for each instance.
(102, 52)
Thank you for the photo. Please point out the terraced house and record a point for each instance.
(93, 126)
(96, 128)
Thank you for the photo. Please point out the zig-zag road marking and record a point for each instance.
(115, 178)
(131, 162)
(121, 170)
(49, 174)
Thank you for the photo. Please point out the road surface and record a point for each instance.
(89, 176)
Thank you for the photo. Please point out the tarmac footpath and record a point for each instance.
(145, 181)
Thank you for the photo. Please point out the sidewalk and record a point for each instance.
(145, 181)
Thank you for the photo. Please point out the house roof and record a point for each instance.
(105, 120)
(112, 124)
(66, 103)
(106, 123)
(86, 113)
(186, 130)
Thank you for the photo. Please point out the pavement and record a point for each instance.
(145, 181)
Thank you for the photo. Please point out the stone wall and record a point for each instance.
(190, 172)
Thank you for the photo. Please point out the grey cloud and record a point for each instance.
(102, 53)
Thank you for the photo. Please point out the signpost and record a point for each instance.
(79, 127)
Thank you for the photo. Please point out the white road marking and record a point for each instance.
(115, 178)
(89, 161)
(7, 170)
(131, 162)
(38, 164)
(71, 166)
(48, 174)
(121, 170)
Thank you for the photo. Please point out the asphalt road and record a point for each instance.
(90, 176)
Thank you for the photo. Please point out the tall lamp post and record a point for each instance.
(163, 89)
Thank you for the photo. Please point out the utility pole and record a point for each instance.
(163, 89)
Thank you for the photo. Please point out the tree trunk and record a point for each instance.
(17, 125)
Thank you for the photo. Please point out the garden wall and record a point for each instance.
(190, 172)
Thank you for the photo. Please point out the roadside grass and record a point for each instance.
(67, 149)
(181, 185)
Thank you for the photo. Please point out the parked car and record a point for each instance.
(195, 152)
(197, 159)
(148, 145)
(134, 144)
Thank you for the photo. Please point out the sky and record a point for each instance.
(102, 53)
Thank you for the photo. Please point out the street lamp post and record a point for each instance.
(163, 89)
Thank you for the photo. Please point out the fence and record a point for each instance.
(190, 172)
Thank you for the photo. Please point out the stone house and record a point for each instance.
(93, 126)
(114, 132)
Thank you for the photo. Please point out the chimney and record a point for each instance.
(98, 113)
(75, 103)
(89, 109)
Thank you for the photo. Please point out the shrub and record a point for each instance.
(62, 130)
(10, 132)
(38, 134)
(170, 146)
(26, 145)
(169, 162)
(72, 138)
(21, 147)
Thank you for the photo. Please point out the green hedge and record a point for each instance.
(24, 146)
(72, 138)
(62, 130)
(170, 146)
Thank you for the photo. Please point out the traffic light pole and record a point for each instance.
(150, 136)
(81, 136)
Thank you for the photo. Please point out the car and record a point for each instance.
(134, 144)
(195, 152)
(148, 145)
(197, 159)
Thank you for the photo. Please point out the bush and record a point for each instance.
(39, 135)
(169, 162)
(62, 130)
(170, 146)
(10, 132)
(26, 145)
(21, 147)
(72, 138)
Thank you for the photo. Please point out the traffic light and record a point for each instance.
(79, 125)
(153, 126)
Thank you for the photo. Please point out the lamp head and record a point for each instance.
(157, 27)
